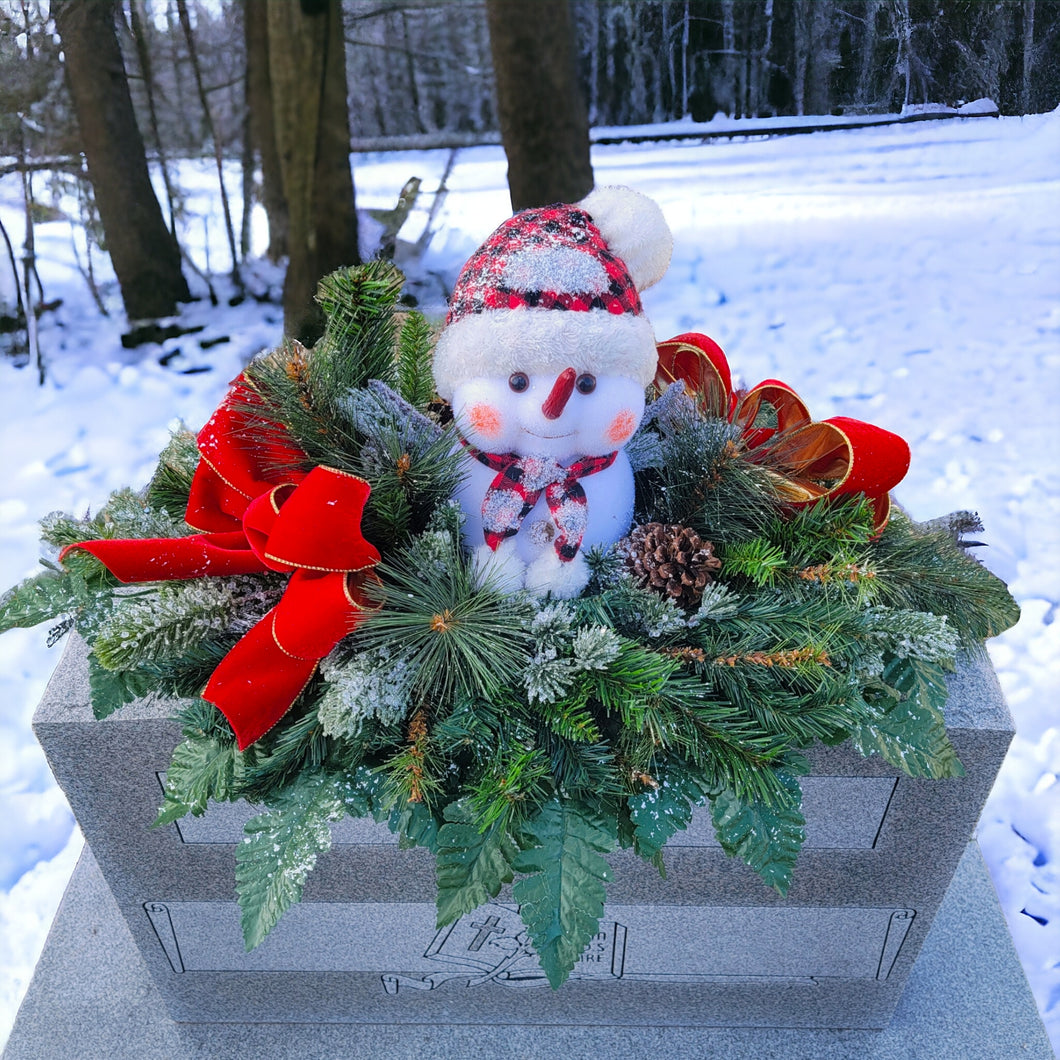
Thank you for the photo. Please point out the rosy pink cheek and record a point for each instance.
(622, 427)
(485, 419)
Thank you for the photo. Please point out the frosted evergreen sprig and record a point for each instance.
(718, 602)
(548, 676)
(595, 648)
(374, 684)
(164, 623)
(913, 634)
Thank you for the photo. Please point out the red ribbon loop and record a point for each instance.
(810, 459)
(264, 513)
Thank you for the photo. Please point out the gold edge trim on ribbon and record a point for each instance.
(339, 471)
(232, 486)
(290, 654)
(323, 570)
(355, 603)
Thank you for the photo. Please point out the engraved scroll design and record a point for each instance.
(897, 929)
(162, 922)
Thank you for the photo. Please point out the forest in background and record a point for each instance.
(417, 67)
(227, 79)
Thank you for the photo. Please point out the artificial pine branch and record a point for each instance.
(460, 635)
(925, 570)
(171, 483)
(414, 379)
(166, 621)
(358, 342)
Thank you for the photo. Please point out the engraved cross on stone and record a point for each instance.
(485, 930)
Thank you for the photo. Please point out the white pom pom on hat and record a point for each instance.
(635, 230)
(559, 284)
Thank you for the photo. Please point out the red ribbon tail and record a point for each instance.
(256, 683)
(162, 559)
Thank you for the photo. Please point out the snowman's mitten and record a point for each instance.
(503, 569)
(548, 573)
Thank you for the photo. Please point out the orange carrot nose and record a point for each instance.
(559, 395)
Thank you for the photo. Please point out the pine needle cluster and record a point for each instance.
(522, 739)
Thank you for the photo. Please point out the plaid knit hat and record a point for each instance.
(558, 286)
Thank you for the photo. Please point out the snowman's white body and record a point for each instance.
(494, 417)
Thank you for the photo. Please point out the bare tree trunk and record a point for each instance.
(313, 141)
(542, 116)
(802, 54)
(1026, 104)
(868, 52)
(728, 63)
(143, 54)
(904, 28)
(685, 91)
(824, 56)
(143, 251)
(185, 23)
(262, 130)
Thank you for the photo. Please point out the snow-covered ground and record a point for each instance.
(906, 275)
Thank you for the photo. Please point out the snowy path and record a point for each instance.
(909, 276)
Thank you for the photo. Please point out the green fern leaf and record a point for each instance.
(201, 769)
(38, 599)
(562, 892)
(472, 864)
(911, 733)
(767, 836)
(280, 849)
(110, 689)
(659, 813)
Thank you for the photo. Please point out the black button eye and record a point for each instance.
(586, 383)
(518, 381)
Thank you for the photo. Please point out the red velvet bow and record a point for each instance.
(257, 518)
(809, 459)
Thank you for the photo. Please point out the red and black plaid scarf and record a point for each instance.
(521, 480)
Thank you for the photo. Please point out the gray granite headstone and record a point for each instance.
(966, 999)
(708, 946)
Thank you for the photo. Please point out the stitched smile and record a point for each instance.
(569, 434)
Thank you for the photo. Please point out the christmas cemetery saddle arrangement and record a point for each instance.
(528, 597)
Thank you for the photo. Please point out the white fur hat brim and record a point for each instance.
(504, 341)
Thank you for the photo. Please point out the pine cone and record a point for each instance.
(673, 561)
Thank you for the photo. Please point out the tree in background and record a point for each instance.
(144, 254)
(542, 116)
(307, 69)
(262, 132)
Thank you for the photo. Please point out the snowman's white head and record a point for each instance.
(546, 349)
(570, 414)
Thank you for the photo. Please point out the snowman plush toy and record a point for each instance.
(545, 357)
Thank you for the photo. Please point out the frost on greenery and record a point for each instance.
(658, 615)
(718, 602)
(126, 514)
(551, 625)
(174, 618)
(596, 647)
(666, 414)
(547, 676)
(913, 634)
(432, 553)
(562, 653)
(373, 684)
(387, 420)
